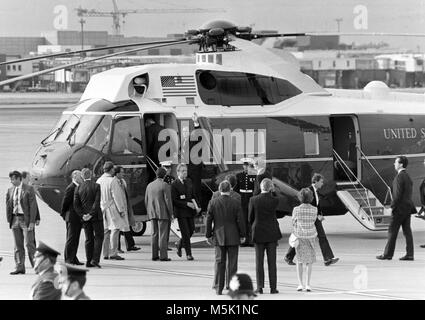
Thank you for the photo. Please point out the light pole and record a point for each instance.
(82, 22)
(338, 21)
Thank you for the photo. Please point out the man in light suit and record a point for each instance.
(160, 211)
(317, 182)
(72, 219)
(402, 207)
(226, 214)
(21, 212)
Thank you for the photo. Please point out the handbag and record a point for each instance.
(293, 240)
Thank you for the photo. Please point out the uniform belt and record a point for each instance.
(245, 191)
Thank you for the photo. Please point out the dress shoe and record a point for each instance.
(308, 288)
(18, 272)
(288, 261)
(179, 250)
(106, 258)
(78, 263)
(134, 248)
(155, 259)
(165, 259)
(89, 265)
(406, 258)
(300, 288)
(331, 261)
(120, 251)
(116, 257)
(382, 257)
(95, 264)
(259, 291)
(422, 246)
(274, 291)
(169, 249)
(189, 257)
(219, 292)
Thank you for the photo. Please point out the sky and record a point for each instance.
(32, 17)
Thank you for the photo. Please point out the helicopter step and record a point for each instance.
(366, 208)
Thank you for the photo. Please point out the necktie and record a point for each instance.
(16, 201)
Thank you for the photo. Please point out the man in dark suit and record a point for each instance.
(245, 187)
(185, 208)
(317, 182)
(402, 207)
(87, 205)
(160, 211)
(45, 287)
(265, 233)
(168, 179)
(21, 212)
(153, 145)
(228, 232)
(72, 219)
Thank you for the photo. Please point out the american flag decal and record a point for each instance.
(178, 86)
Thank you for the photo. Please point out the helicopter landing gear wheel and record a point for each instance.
(139, 229)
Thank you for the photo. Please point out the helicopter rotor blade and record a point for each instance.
(305, 34)
(88, 60)
(91, 50)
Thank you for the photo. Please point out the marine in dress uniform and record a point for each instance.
(168, 179)
(245, 187)
(46, 285)
(72, 281)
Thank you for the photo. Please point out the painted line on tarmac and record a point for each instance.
(207, 276)
(288, 285)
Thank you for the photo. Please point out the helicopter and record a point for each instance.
(238, 100)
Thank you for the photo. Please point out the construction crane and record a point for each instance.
(117, 14)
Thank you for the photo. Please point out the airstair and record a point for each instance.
(361, 202)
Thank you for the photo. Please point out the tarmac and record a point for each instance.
(358, 275)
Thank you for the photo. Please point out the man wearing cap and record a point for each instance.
(245, 187)
(241, 287)
(72, 280)
(21, 212)
(45, 288)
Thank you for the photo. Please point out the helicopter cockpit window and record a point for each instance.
(240, 88)
(67, 129)
(127, 136)
(84, 128)
(57, 129)
(101, 136)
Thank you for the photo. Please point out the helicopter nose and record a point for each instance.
(48, 177)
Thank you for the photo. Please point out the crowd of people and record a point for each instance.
(241, 213)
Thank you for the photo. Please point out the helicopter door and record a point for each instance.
(127, 150)
(346, 156)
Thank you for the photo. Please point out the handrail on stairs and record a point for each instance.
(342, 162)
(377, 173)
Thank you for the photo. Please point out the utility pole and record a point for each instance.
(82, 22)
(338, 21)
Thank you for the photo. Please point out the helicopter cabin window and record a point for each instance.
(311, 143)
(101, 136)
(239, 88)
(153, 52)
(124, 129)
